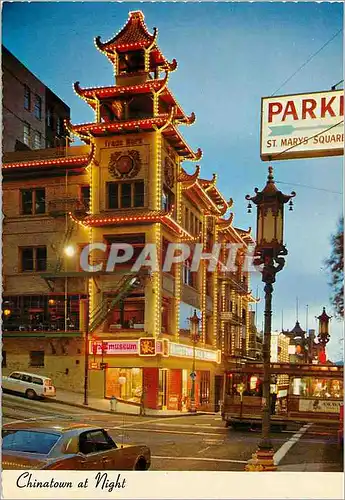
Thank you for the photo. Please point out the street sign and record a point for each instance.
(193, 375)
(302, 125)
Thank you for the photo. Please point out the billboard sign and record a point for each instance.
(302, 125)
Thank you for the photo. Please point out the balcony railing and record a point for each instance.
(232, 317)
(240, 285)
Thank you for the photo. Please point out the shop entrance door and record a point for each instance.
(163, 385)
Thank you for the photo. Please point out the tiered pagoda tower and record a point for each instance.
(134, 190)
(137, 144)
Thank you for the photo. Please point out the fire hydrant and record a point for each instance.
(113, 403)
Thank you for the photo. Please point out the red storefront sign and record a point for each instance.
(114, 347)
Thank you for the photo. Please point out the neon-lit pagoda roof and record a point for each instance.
(92, 94)
(135, 36)
(104, 129)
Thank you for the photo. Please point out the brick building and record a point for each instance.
(33, 115)
(125, 185)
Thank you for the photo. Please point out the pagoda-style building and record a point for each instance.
(297, 337)
(127, 185)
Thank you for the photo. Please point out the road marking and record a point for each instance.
(163, 431)
(228, 460)
(148, 421)
(204, 449)
(161, 424)
(280, 454)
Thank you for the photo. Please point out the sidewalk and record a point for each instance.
(103, 405)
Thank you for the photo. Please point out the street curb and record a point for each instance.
(86, 407)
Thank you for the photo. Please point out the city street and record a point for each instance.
(198, 442)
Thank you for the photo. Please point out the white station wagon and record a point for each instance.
(30, 384)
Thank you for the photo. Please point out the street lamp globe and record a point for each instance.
(270, 216)
(194, 326)
(324, 335)
(69, 251)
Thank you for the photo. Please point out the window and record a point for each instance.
(59, 126)
(37, 140)
(192, 220)
(28, 441)
(3, 360)
(38, 107)
(113, 195)
(26, 134)
(125, 194)
(168, 199)
(187, 274)
(138, 194)
(49, 117)
(85, 196)
(34, 259)
(33, 201)
(186, 219)
(41, 258)
(137, 241)
(37, 380)
(15, 375)
(27, 98)
(36, 358)
(95, 441)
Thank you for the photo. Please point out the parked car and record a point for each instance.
(67, 446)
(30, 384)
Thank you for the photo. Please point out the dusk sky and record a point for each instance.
(229, 56)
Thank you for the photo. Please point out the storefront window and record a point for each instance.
(125, 383)
(317, 388)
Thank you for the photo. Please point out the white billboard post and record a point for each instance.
(302, 125)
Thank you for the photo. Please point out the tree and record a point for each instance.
(335, 265)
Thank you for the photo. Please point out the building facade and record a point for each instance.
(33, 116)
(125, 189)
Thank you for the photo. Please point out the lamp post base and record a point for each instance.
(192, 408)
(261, 461)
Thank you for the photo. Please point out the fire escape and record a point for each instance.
(125, 286)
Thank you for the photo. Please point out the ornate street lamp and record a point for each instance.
(268, 253)
(194, 333)
(323, 335)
